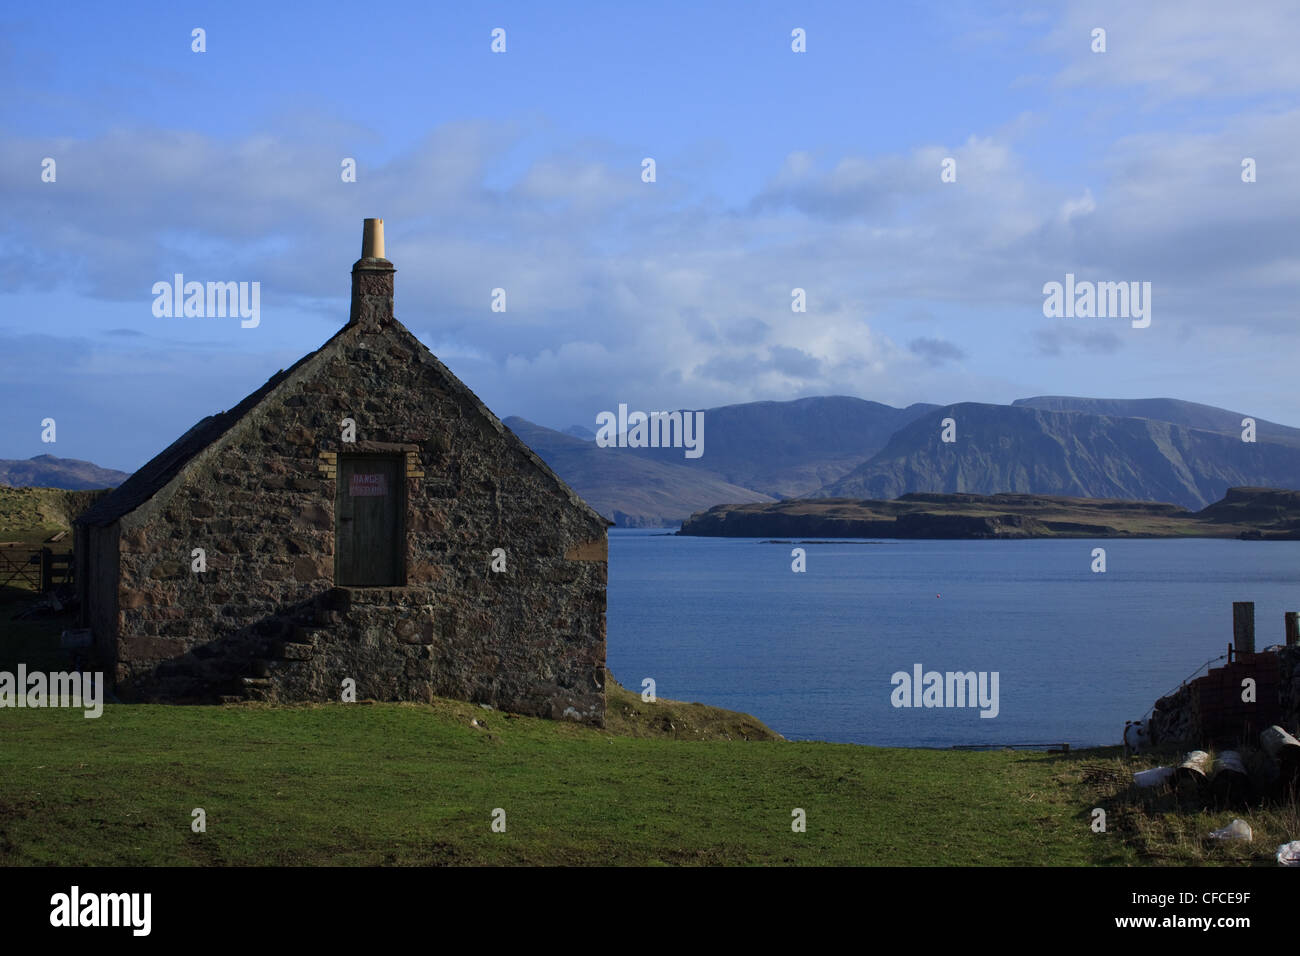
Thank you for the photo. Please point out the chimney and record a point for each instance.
(372, 281)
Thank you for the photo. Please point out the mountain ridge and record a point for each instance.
(631, 491)
(48, 471)
(1029, 449)
(838, 446)
(788, 449)
(1177, 411)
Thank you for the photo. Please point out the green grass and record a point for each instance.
(29, 515)
(416, 784)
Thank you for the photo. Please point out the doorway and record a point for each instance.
(369, 513)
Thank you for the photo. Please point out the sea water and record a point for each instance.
(725, 621)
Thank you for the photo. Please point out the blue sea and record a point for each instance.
(726, 621)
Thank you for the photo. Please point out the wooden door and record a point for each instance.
(369, 509)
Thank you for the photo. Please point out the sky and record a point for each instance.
(522, 170)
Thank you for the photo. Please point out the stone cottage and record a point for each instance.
(362, 517)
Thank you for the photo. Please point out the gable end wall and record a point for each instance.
(265, 619)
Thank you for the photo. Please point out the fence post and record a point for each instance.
(1292, 619)
(47, 568)
(1243, 626)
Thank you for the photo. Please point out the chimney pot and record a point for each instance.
(372, 239)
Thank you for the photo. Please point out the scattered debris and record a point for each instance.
(76, 637)
(1194, 766)
(1229, 781)
(1101, 776)
(47, 604)
(1154, 777)
(1283, 748)
(1137, 736)
(1288, 854)
(1236, 830)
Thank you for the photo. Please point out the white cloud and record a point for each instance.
(1174, 49)
(619, 291)
(1082, 206)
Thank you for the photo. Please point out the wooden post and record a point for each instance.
(47, 567)
(1292, 619)
(1243, 626)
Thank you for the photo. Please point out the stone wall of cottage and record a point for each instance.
(265, 619)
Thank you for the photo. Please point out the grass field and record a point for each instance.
(664, 783)
(417, 784)
(29, 515)
(412, 784)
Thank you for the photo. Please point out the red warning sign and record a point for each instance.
(368, 486)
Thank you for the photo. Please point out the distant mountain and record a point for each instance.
(1156, 449)
(1190, 414)
(46, 471)
(630, 491)
(787, 449)
(1023, 448)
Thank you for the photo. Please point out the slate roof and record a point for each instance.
(164, 466)
(167, 464)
